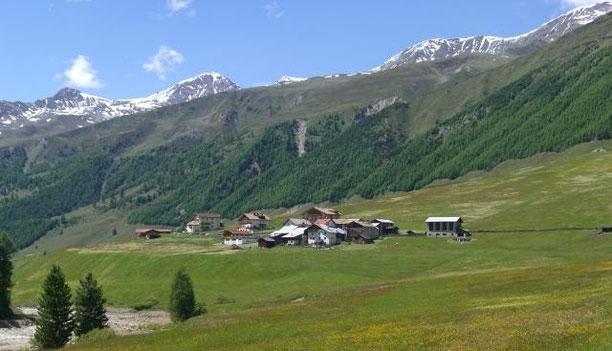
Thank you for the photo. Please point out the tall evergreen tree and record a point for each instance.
(182, 299)
(55, 322)
(7, 249)
(89, 312)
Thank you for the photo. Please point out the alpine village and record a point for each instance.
(422, 176)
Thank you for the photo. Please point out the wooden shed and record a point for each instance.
(266, 242)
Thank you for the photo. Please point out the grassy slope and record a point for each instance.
(260, 107)
(571, 189)
(495, 293)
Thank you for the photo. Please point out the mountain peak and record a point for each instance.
(67, 94)
(288, 80)
(92, 109)
(438, 49)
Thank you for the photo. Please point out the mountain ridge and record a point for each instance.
(441, 48)
(94, 109)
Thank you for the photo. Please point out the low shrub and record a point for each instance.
(145, 306)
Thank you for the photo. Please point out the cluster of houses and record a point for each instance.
(318, 227)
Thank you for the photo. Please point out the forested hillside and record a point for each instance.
(547, 110)
(155, 168)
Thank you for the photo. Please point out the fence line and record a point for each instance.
(536, 230)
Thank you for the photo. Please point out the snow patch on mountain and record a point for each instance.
(289, 80)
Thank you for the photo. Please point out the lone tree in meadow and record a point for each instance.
(89, 312)
(55, 323)
(182, 299)
(7, 249)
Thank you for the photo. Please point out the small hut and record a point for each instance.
(266, 242)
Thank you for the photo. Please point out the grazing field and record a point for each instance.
(517, 290)
(502, 291)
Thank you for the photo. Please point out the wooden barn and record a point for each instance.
(266, 242)
(150, 233)
(385, 226)
(363, 236)
(321, 213)
(354, 226)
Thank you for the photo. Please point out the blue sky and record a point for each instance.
(132, 48)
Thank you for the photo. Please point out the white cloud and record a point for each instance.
(577, 3)
(81, 74)
(177, 5)
(274, 10)
(163, 61)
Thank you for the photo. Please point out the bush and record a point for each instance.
(200, 309)
(145, 306)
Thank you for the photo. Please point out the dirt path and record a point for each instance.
(16, 335)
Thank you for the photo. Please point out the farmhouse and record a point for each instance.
(385, 226)
(239, 237)
(255, 221)
(296, 238)
(444, 227)
(193, 227)
(150, 233)
(209, 221)
(289, 234)
(323, 235)
(321, 213)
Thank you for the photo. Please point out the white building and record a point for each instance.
(239, 237)
(444, 226)
(323, 235)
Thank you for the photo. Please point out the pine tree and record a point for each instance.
(182, 299)
(7, 249)
(89, 312)
(55, 323)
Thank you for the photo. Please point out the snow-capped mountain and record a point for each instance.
(94, 109)
(436, 49)
(288, 80)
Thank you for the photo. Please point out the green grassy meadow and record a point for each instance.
(519, 291)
